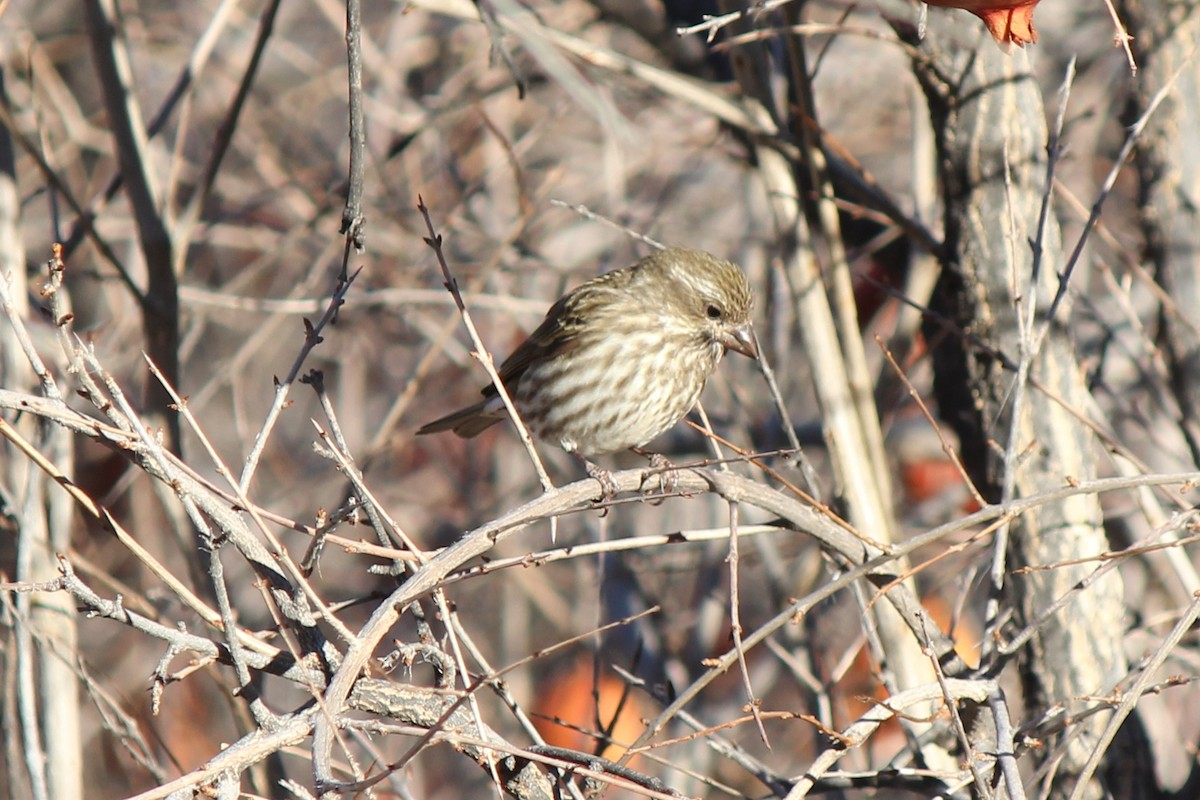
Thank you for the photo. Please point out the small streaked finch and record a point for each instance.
(622, 358)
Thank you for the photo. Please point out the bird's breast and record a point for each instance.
(613, 392)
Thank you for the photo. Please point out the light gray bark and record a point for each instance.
(1020, 432)
(1164, 40)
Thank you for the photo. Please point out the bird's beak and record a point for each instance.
(741, 340)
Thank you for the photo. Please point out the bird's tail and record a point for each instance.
(466, 423)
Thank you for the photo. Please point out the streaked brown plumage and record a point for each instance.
(622, 358)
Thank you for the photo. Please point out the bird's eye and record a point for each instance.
(713, 311)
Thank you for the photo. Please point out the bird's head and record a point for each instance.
(712, 295)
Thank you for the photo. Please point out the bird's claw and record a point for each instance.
(608, 486)
(668, 479)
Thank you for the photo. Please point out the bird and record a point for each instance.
(622, 358)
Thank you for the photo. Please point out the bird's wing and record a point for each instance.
(558, 333)
(553, 337)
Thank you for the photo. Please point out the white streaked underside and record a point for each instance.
(601, 406)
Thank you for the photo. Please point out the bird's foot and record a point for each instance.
(668, 479)
(608, 486)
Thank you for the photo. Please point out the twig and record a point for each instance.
(8, 306)
(160, 306)
(735, 624)
(1131, 140)
(312, 337)
(62, 189)
(487, 15)
(947, 448)
(352, 216)
(434, 240)
(712, 24)
(339, 450)
(785, 421)
(1122, 37)
(188, 75)
(228, 126)
(857, 733)
(970, 754)
(415, 380)
(1131, 697)
(177, 588)
(1109, 562)
(757, 460)
(588, 214)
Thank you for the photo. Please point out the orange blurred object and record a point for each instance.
(1007, 22)
(565, 709)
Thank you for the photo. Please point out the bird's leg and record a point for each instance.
(608, 486)
(668, 479)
